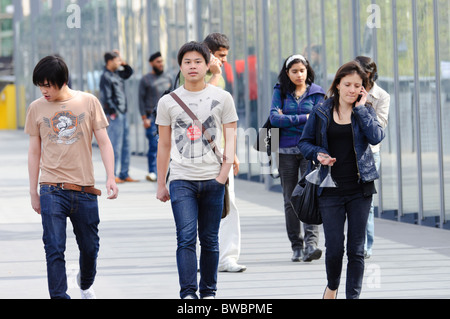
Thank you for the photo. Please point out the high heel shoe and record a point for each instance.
(326, 288)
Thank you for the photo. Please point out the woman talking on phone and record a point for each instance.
(347, 128)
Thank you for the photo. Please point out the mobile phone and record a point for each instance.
(359, 98)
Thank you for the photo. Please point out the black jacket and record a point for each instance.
(112, 90)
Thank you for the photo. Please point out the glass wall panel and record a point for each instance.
(407, 109)
(262, 34)
(388, 185)
(444, 54)
(315, 41)
(345, 11)
(332, 48)
(427, 108)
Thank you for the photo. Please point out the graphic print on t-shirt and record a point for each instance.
(190, 141)
(64, 125)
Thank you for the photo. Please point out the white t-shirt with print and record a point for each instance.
(191, 155)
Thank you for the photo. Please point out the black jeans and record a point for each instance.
(291, 168)
(335, 210)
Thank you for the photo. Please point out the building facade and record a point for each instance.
(409, 40)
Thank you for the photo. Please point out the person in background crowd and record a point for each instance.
(380, 101)
(346, 127)
(293, 99)
(230, 228)
(114, 101)
(151, 88)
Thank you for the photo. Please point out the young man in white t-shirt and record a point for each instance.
(61, 125)
(197, 177)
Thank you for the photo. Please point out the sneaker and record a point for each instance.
(88, 294)
(209, 297)
(312, 253)
(190, 297)
(151, 177)
(232, 267)
(297, 255)
(130, 180)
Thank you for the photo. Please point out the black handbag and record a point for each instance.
(305, 204)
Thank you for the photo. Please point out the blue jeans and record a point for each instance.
(152, 136)
(370, 229)
(335, 210)
(119, 131)
(56, 206)
(197, 203)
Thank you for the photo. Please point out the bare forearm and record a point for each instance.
(33, 171)
(229, 151)
(107, 153)
(163, 160)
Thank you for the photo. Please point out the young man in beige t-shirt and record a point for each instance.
(61, 125)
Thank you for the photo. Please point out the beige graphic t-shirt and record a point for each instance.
(66, 130)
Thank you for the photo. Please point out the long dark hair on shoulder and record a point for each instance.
(368, 65)
(286, 85)
(347, 69)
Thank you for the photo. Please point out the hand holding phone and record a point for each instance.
(362, 98)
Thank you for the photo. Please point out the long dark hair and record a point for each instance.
(286, 85)
(368, 65)
(347, 69)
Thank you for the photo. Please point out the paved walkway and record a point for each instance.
(138, 242)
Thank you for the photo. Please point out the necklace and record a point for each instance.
(299, 94)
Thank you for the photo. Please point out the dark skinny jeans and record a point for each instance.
(335, 211)
(291, 168)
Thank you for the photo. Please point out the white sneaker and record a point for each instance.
(85, 294)
(232, 267)
(189, 297)
(151, 177)
(88, 294)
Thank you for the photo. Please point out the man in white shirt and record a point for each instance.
(197, 177)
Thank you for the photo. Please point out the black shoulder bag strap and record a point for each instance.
(197, 122)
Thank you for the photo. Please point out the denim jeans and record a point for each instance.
(335, 211)
(291, 168)
(152, 135)
(370, 229)
(119, 131)
(197, 203)
(56, 206)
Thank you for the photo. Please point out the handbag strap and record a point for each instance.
(197, 122)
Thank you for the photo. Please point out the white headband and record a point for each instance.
(295, 57)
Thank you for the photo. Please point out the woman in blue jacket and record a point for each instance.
(346, 128)
(293, 99)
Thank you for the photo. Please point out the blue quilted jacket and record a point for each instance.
(366, 131)
(294, 116)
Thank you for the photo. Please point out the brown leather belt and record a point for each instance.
(76, 188)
